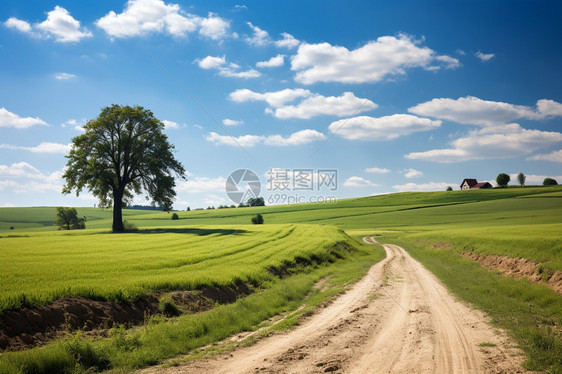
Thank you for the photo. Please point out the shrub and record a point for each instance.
(168, 307)
(549, 182)
(449, 188)
(12, 227)
(129, 226)
(175, 217)
(257, 220)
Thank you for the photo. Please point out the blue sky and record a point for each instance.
(395, 96)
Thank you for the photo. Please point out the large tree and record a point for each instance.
(122, 152)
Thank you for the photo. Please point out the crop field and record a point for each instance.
(39, 264)
(43, 267)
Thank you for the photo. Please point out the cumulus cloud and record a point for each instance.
(475, 111)
(9, 119)
(298, 138)
(201, 184)
(232, 122)
(412, 173)
(259, 37)
(555, 156)
(44, 147)
(170, 125)
(372, 62)
(78, 126)
(275, 61)
(377, 170)
(358, 182)
(312, 105)
(288, 41)
(34, 180)
(59, 25)
(480, 145)
(226, 69)
(315, 105)
(381, 128)
(143, 17)
(64, 76)
(18, 24)
(484, 56)
(274, 99)
(430, 186)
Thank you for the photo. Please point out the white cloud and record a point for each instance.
(315, 105)
(214, 27)
(381, 128)
(549, 108)
(9, 119)
(297, 138)
(535, 179)
(274, 99)
(225, 68)
(300, 137)
(431, 186)
(34, 180)
(214, 200)
(275, 61)
(412, 173)
(44, 147)
(19, 25)
(358, 182)
(201, 184)
(62, 26)
(484, 56)
(475, 111)
(78, 126)
(377, 170)
(288, 41)
(243, 141)
(64, 76)
(259, 37)
(59, 24)
(555, 156)
(142, 17)
(232, 122)
(372, 62)
(480, 145)
(170, 125)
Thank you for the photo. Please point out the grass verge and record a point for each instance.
(160, 339)
(531, 313)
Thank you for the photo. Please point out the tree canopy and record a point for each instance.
(67, 219)
(521, 178)
(503, 179)
(549, 182)
(123, 152)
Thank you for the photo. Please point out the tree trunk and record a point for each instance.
(117, 211)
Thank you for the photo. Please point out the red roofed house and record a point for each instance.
(472, 184)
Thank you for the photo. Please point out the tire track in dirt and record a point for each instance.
(398, 318)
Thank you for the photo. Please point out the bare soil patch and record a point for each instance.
(519, 268)
(34, 326)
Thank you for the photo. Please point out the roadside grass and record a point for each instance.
(541, 243)
(530, 312)
(160, 339)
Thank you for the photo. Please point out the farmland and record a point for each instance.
(39, 264)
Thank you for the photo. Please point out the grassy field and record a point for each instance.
(39, 263)
(41, 267)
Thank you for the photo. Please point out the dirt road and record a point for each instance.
(397, 319)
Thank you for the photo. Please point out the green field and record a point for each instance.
(220, 247)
